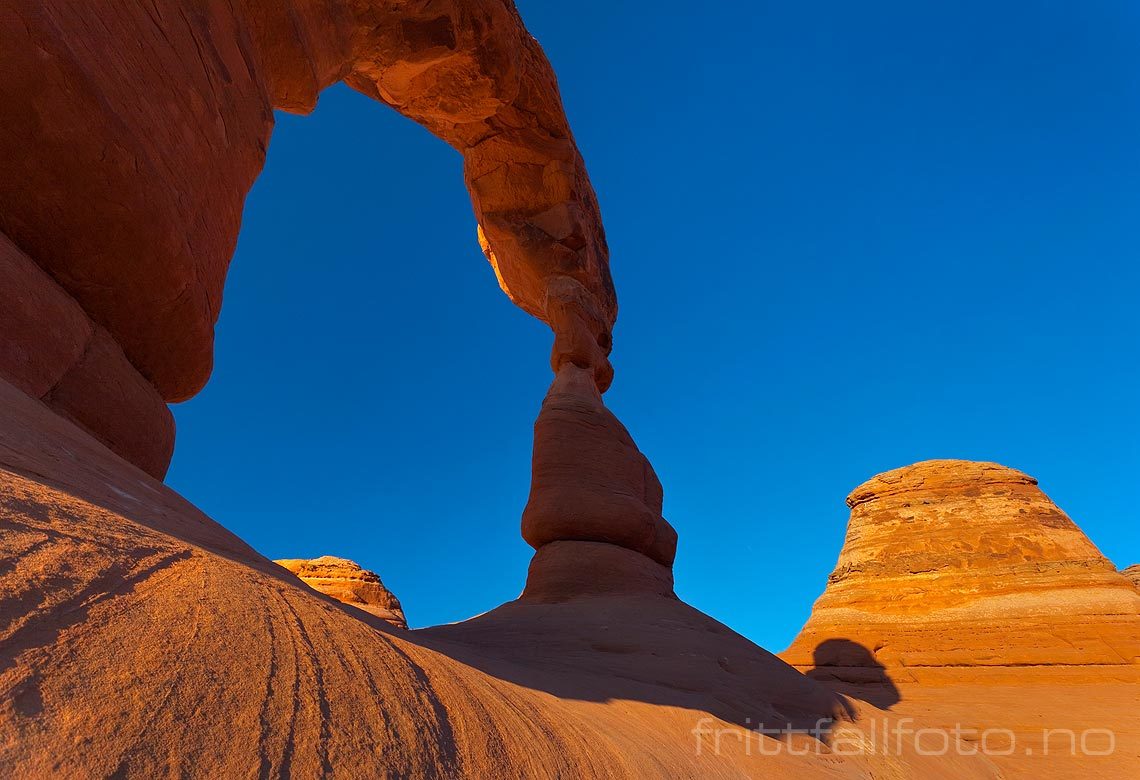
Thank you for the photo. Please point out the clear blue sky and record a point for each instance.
(845, 236)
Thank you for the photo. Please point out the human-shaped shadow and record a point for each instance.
(850, 668)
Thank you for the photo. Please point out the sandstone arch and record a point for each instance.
(125, 177)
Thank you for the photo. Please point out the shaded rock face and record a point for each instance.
(347, 582)
(53, 351)
(132, 136)
(956, 564)
(589, 481)
(594, 512)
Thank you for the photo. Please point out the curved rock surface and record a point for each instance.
(963, 595)
(589, 482)
(349, 583)
(140, 639)
(50, 349)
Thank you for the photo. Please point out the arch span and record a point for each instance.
(130, 158)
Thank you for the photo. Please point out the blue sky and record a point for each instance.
(845, 236)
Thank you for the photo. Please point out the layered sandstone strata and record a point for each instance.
(965, 599)
(1133, 573)
(348, 582)
(132, 134)
(951, 564)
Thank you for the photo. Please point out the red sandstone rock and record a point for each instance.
(589, 481)
(52, 351)
(347, 582)
(132, 135)
(104, 394)
(562, 571)
(43, 332)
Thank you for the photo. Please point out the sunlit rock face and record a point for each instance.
(1133, 573)
(349, 583)
(957, 564)
(964, 597)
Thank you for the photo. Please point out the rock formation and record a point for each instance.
(128, 158)
(963, 595)
(53, 351)
(350, 584)
(138, 638)
(953, 563)
(589, 482)
(1133, 573)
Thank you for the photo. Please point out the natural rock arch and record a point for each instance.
(128, 177)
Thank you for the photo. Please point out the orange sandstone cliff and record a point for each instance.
(350, 584)
(963, 595)
(952, 563)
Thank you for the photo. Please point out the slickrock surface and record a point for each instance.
(347, 582)
(140, 639)
(964, 595)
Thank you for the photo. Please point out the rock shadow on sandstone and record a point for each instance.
(851, 668)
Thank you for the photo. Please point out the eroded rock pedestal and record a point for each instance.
(591, 490)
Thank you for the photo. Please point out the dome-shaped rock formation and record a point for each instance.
(964, 597)
(952, 563)
(347, 582)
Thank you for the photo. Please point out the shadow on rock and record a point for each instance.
(850, 668)
(601, 623)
